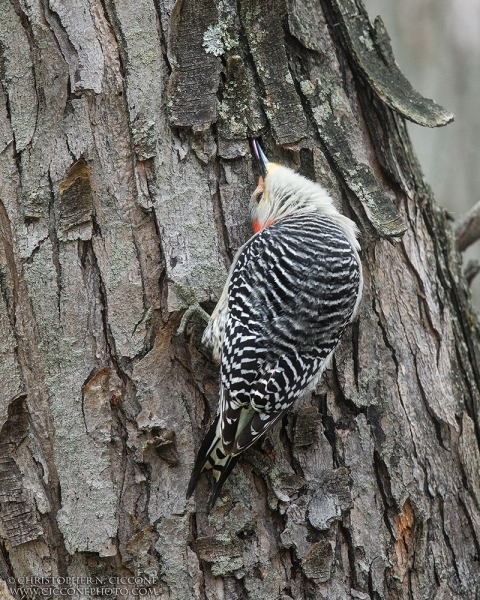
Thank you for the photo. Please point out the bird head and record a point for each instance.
(282, 192)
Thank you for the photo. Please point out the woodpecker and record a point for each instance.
(291, 291)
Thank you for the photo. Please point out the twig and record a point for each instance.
(467, 229)
(471, 270)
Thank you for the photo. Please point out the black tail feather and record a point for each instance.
(212, 456)
(227, 469)
(202, 456)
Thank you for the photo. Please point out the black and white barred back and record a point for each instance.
(292, 292)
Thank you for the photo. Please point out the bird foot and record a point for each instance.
(192, 310)
(188, 298)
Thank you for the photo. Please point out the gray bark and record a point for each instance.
(124, 187)
(437, 45)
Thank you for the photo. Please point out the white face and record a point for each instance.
(257, 195)
(267, 199)
(275, 196)
(284, 192)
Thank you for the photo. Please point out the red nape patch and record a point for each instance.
(256, 225)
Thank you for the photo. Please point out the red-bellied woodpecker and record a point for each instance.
(291, 291)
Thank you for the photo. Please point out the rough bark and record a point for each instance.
(125, 178)
(437, 46)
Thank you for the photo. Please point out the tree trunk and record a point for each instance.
(437, 44)
(124, 191)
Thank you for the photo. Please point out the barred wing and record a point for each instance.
(292, 292)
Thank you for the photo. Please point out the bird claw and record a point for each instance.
(188, 298)
(194, 309)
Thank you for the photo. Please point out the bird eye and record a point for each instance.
(259, 197)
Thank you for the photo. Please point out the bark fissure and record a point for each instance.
(10, 293)
(52, 233)
(473, 525)
(226, 248)
(27, 27)
(391, 349)
(437, 424)
(457, 583)
(422, 299)
(8, 116)
(381, 474)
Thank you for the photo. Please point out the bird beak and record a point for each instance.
(262, 160)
